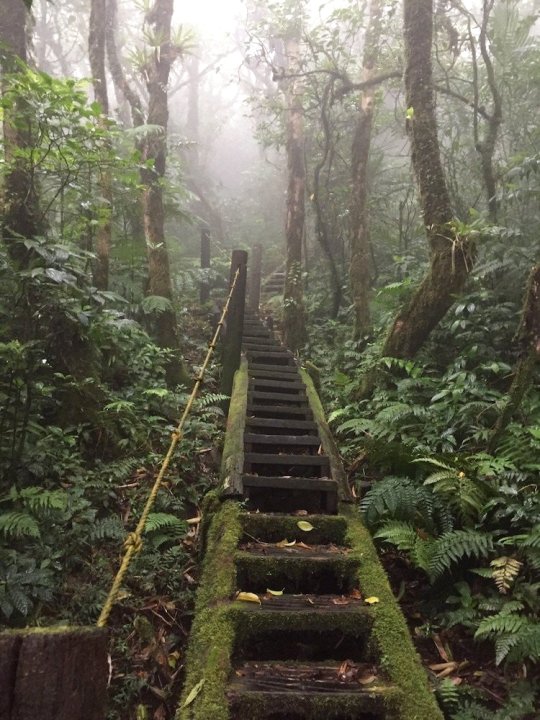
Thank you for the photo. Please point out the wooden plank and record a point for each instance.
(279, 411)
(254, 422)
(290, 483)
(255, 367)
(293, 459)
(273, 383)
(57, 673)
(258, 395)
(307, 440)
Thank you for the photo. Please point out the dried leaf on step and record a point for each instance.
(355, 593)
(285, 543)
(367, 679)
(301, 512)
(248, 597)
(340, 601)
(277, 593)
(305, 525)
(194, 692)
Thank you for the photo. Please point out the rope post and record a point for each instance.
(255, 280)
(204, 291)
(57, 673)
(232, 342)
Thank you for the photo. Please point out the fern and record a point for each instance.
(406, 537)
(160, 521)
(456, 545)
(15, 525)
(505, 571)
(109, 528)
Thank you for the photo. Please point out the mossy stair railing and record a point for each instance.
(332, 644)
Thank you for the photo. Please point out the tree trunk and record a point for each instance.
(359, 273)
(528, 338)
(96, 54)
(294, 329)
(20, 216)
(451, 255)
(154, 149)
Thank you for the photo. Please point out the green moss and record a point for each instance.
(232, 461)
(327, 439)
(334, 574)
(390, 635)
(252, 619)
(213, 631)
(274, 528)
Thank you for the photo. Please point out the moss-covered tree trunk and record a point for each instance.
(451, 256)
(528, 340)
(154, 151)
(294, 327)
(20, 215)
(359, 272)
(96, 54)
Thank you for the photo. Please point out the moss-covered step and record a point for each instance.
(321, 569)
(290, 628)
(278, 527)
(295, 691)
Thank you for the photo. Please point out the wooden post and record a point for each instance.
(57, 673)
(234, 323)
(255, 280)
(205, 264)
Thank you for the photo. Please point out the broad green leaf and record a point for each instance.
(193, 694)
(305, 525)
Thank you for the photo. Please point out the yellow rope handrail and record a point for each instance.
(133, 542)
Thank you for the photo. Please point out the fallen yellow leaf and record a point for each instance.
(373, 600)
(277, 593)
(248, 597)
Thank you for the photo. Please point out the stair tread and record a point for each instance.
(309, 678)
(282, 482)
(311, 603)
(286, 459)
(291, 370)
(312, 553)
(304, 440)
(282, 424)
(279, 409)
(294, 385)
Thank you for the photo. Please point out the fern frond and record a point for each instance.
(401, 534)
(109, 528)
(456, 545)
(14, 525)
(160, 521)
(505, 571)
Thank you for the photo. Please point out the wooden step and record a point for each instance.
(310, 441)
(255, 367)
(284, 378)
(281, 384)
(314, 691)
(259, 396)
(255, 458)
(289, 483)
(279, 412)
(275, 527)
(317, 570)
(281, 426)
(259, 341)
(280, 357)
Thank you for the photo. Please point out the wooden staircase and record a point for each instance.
(295, 619)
